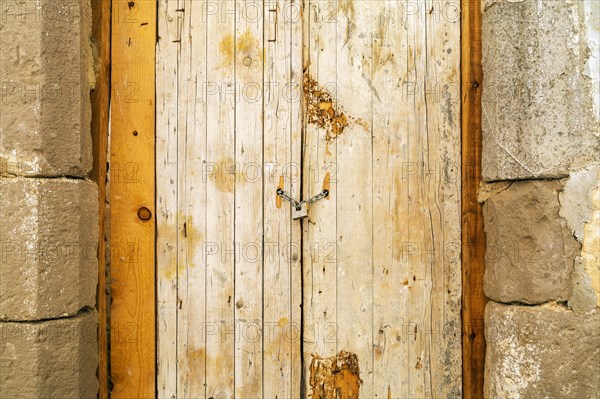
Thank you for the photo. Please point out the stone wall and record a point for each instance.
(541, 154)
(48, 207)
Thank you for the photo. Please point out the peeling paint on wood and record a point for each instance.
(335, 377)
(322, 110)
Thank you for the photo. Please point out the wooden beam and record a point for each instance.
(100, 99)
(132, 203)
(473, 236)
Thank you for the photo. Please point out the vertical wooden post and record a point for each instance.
(473, 236)
(132, 171)
(100, 118)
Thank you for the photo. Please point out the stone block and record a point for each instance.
(46, 74)
(538, 93)
(50, 359)
(530, 250)
(541, 352)
(48, 247)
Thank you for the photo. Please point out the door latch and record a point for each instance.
(300, 208)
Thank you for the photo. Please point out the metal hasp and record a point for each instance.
(300, 208)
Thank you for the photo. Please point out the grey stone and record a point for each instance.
(576, 199)
(541, 352)
(46, 74)
(538, 113)
(50, 359)
(48, 247)
(530, 251)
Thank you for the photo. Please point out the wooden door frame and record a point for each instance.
(473, 237)
(100, 99)
(132, 337)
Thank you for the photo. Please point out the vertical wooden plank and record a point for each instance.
(191, 215)
(101, 20)
(441, 182)
(182, 198)
(390, 217)
(320, 328)
(473, 235)
(354, 157)
(280, 330)
(249, 230)
(294, 21)
(417, 224)
(132, 199)
(166, 201)
(219, 176)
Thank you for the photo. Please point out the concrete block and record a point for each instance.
(530, 250)
(541, 352)
(46, 74)
(538, 92)
(50, 359)
(48, 247)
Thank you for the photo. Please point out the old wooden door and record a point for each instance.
(362, 297)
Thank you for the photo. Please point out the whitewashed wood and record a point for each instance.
(355, 21)
(182, 191)
(249, 277)
(390, 202)
(220, 186)
(283, 70)
(192, 202)
(394, 189)
(444, 150)
(397, 310)
(166, 201)
(319, 231)
(294, 25)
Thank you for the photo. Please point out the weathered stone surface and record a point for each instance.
(580, 206)
(530, 251)
(541, 352)
(48, 247)
(590, 249)
(45, 77)
(584, 297)
(538, 112)
(50, 359)
(576, 198)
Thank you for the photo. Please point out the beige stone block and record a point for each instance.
(541, 352)
(46, 74)
(50, 359)
(48, 247)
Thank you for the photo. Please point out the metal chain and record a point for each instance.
(318, 197)
(297, 205)
(286, 197)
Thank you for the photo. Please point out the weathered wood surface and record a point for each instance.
(376, 265)
(473, 235)
(100, 99)
(132, 322)
(393, 291)
(228, 260)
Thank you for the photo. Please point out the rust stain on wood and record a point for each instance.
(322, 110)
(224, 175)
(382, 53)
(195, 239)
(335, 377)
(196, 361)
(244, 50)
